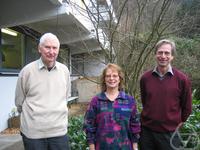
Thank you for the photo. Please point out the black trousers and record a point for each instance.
(53, 143)
(151, 140)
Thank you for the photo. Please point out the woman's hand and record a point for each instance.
(135, 146)
(91, 147)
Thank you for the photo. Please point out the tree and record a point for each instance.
(190, 10)
(188, 60)
(127, 31)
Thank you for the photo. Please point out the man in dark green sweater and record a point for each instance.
(166, 100)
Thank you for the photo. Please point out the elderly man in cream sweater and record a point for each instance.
(41, 92)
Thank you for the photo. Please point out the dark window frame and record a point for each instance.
(27, 32)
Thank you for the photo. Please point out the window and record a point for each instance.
(16, 50)
(31, 50)
(11, 50)
(21, 48)
(78, 64)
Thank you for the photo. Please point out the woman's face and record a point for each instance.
(112, 78)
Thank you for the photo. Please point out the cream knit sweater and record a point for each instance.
(41, 98)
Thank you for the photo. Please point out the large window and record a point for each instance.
(16, 50)
(11, 49)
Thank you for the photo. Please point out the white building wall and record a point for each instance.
(7, 90)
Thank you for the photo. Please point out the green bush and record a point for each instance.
(77, 137)
(192, 127)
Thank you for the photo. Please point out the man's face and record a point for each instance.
(49, 51)
(164, 55)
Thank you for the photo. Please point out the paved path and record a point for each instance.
(11, 142)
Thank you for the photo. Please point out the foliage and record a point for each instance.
(13, 113)
(196, 93)
(188, 60)
(194, 117)
(192, 126)
(127, 32)
(77, 137)
(189, 9)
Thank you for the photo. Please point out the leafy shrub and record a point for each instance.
(77, 137)
(192, 126)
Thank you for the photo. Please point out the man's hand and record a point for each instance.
(180, 125)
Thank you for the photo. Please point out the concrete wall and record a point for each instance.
(7, 90)
(86, 88)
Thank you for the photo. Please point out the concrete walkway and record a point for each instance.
(11, 142)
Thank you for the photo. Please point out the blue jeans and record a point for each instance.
(53, 143)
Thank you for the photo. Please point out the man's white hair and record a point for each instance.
(48, 36)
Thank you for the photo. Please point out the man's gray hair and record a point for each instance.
(166, 41)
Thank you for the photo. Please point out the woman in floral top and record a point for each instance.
(111, 121)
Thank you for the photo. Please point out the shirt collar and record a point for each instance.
(102, 95)
(41, 65)
(168, 71)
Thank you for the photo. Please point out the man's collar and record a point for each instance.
(102, 95)
(168, 71)
(41, 65)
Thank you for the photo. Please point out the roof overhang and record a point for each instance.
(48, 16)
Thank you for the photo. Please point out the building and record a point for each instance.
(22, 23)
